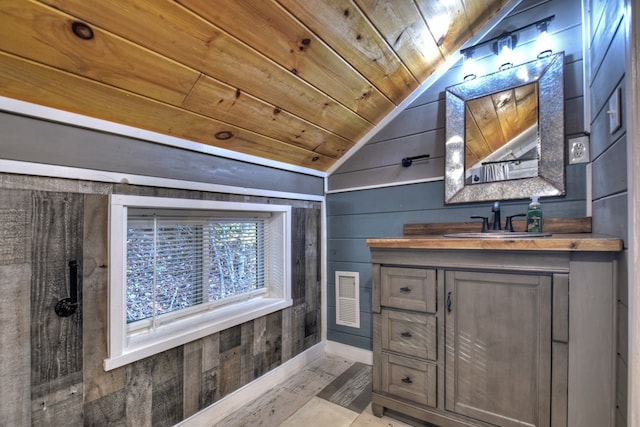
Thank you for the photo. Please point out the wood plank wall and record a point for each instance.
(355, 215)
(51, 367)
(609, 158)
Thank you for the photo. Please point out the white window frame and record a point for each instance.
(125, 347)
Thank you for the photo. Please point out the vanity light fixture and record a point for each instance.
(469, 66)
(504, 45)
(543, 44)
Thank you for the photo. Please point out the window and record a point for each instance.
(184, 269)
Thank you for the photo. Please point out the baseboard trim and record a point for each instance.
(247, 393)
(349, 352)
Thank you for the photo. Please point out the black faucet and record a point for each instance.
(508, 225)
(497, 226)
(496, 216)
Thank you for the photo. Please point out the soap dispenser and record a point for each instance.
(534, 216)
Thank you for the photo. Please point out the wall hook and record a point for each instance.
(407, 161)
(67, 306)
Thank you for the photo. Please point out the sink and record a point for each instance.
(498, 235)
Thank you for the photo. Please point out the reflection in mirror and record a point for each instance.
(501, 135)
(505, 134)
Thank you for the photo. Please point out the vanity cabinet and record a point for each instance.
(498, 347)
(492, 337)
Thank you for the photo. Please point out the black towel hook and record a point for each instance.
(407, 161)
(67, 306)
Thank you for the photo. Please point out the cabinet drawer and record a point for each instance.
(409, 333)
(409, 288)
(409, 379)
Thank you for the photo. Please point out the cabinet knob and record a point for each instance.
(406, 334)
(405, 290)
(407, 380)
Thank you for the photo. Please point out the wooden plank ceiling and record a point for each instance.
(295, 81)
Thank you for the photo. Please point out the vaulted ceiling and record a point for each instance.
(295, 81)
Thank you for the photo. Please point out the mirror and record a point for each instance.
(505, 134)
(501, 135)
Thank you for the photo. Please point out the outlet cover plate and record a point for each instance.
(579, 149)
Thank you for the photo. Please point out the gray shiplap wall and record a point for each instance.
(609, 159)
(39, 141)
(355, 215)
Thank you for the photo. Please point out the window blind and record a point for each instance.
(178, 263)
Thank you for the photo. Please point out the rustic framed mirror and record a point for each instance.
(505, 134)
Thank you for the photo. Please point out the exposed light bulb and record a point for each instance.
(505, 52)
(544, 46)
(469, 67)
(504, 59)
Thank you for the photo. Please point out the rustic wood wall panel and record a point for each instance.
(101, 387)
(287, 328)
(298, 254)
(15, 364)
(57, 239)
(167, 386)
(15, 316)
(210, 392)
(192, 375)
(56, 342)
(138, 404)
(298, 316)
(160, 390)
(313, 269)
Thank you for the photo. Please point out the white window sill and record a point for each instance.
(139, 346)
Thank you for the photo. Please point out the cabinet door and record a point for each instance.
(498, 347)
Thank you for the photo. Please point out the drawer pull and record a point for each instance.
(406, 334)
(449, 303)
(405, 290)
(407, 380)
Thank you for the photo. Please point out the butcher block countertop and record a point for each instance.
(567, 234)
(581, 242)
